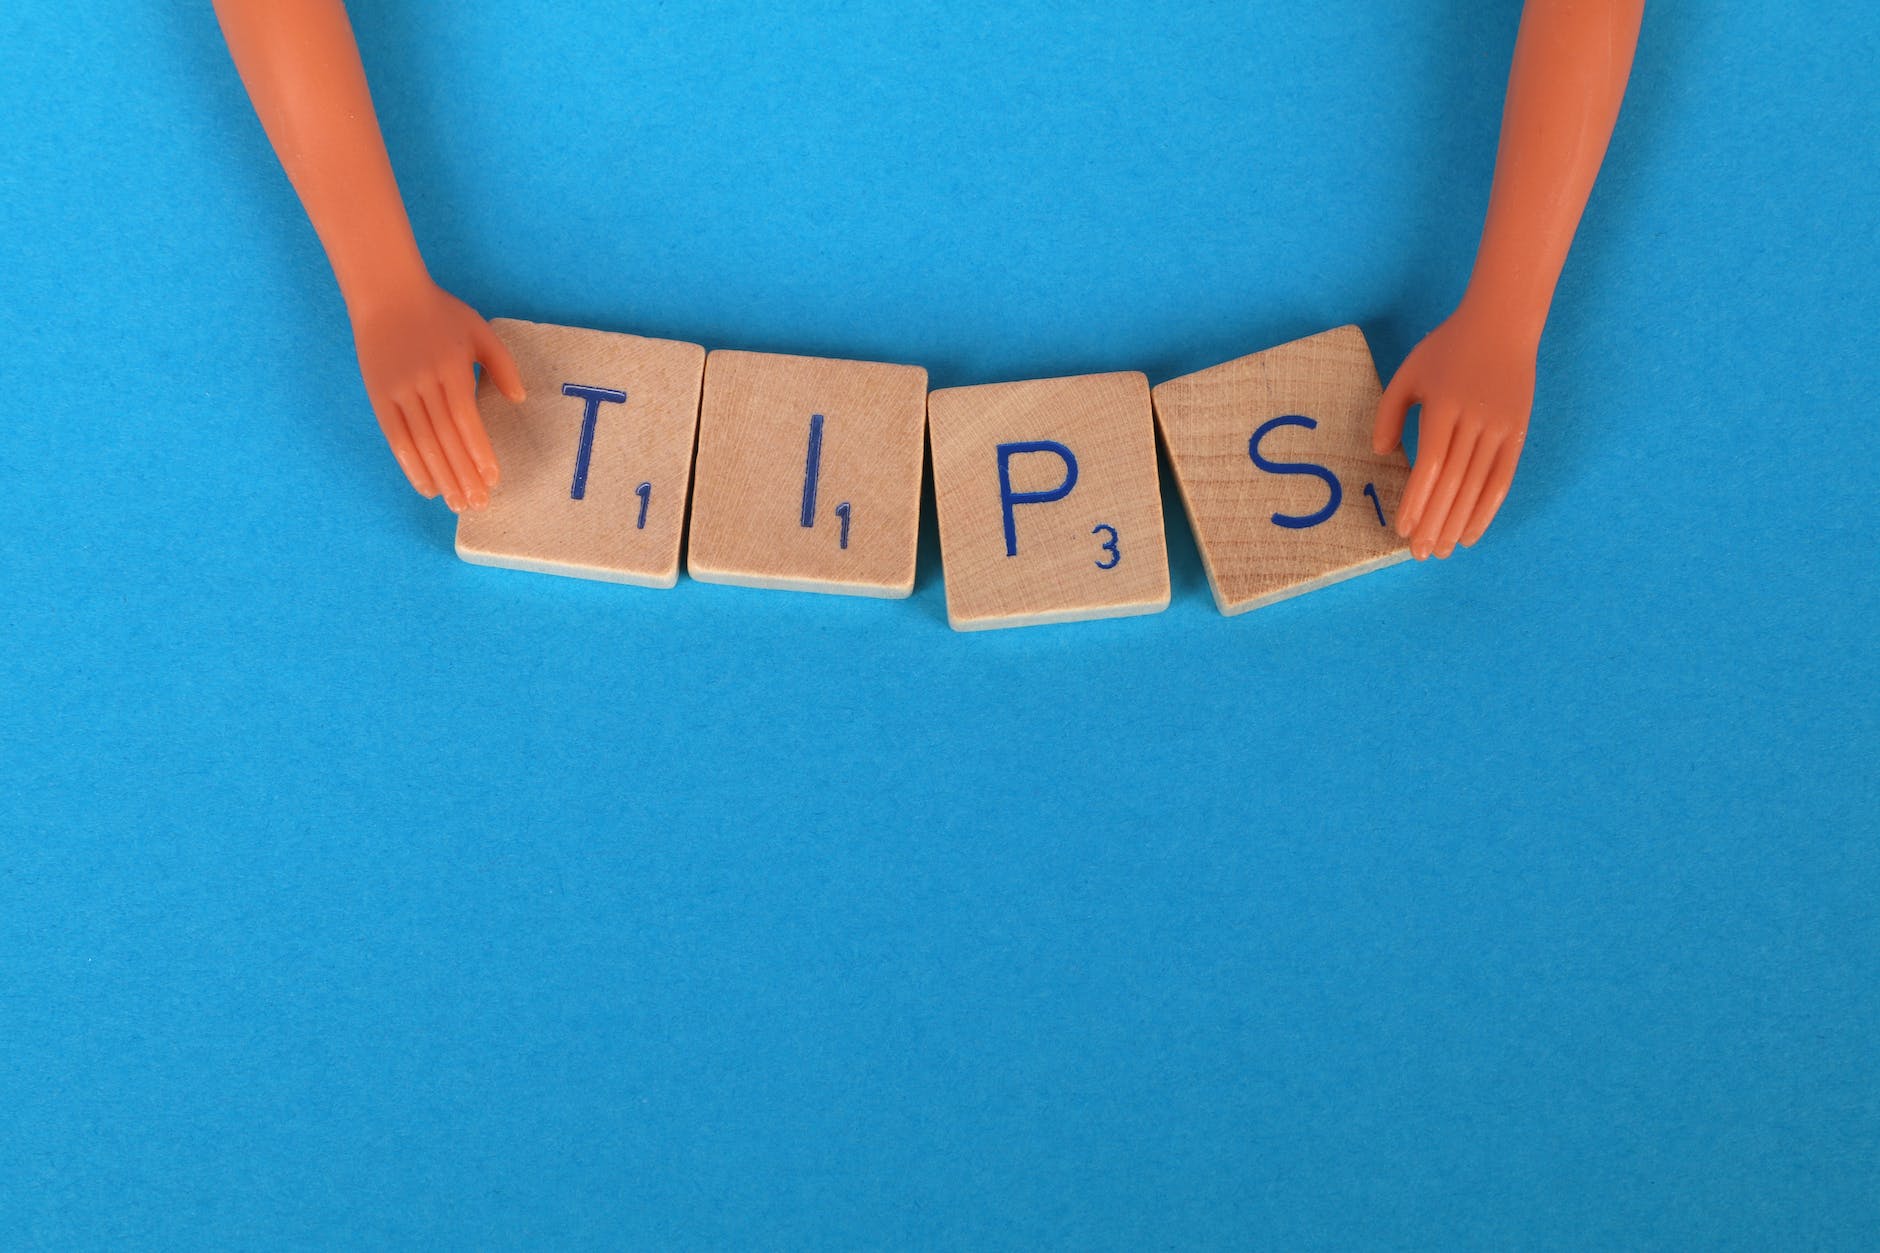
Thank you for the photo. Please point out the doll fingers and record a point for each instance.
(1392, 409)
(1448, 484)
(475, 494)
(460, 399)
(434, 461)
(497, 362)
(1480, 463)
(404, 448)
(1437, 430)
(1500, 478)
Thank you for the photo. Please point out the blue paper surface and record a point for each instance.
(351, 895)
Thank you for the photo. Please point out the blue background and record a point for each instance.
(353, 895)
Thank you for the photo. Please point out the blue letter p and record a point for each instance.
(1009, 498)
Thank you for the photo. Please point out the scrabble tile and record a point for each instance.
(1272, 454)
(808, 474)
(596, 462)
(1050, 510)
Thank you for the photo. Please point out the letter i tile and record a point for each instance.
(809, 474)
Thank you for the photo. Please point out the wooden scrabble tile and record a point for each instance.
(596, 462)
(1050, 510)
(808, 474)
(1272, 454)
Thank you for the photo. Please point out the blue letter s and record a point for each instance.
(1296, 467)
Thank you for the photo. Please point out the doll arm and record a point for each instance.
(1474, 374)
(417, 344)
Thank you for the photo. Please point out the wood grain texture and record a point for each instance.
(1058, 572)
(1208, 420)
(754, 437)
(533, 521)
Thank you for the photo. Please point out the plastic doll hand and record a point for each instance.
(416, 354)
(1475, 382)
